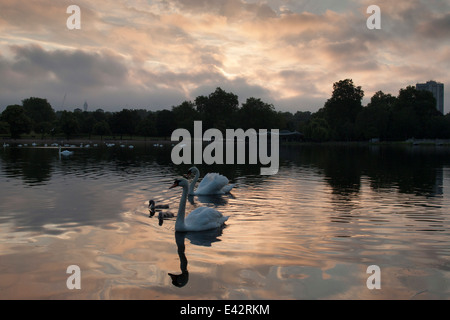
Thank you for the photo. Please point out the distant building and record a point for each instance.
(85, 106)
(437, 89)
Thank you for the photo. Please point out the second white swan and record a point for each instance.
(200, 219)
(212, 183)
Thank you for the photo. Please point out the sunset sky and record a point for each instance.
(155, 54)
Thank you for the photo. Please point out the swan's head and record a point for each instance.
(180, 280)
(180, 183)
(151, 207)
(191, 171)
(160, 219)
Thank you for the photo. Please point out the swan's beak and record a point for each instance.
(175, 184)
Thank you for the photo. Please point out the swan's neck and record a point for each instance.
(192, 185)
(179, 224)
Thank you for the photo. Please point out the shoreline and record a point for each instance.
(167, 141)
(85, 141)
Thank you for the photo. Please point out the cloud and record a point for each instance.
(437, 28)
(103, 77)
(158, 53)
(79, 68)
(232, 9)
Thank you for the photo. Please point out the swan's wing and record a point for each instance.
(204, 218)
(208, 179)
(227, 188)
(212, 183)
(202, 214)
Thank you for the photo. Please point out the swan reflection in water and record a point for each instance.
(199, 238)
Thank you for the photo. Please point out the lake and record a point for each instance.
(309, 232)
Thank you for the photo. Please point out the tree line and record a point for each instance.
(412, 114)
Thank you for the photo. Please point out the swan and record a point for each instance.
(65, 152)
(202, 218)
(212, 183)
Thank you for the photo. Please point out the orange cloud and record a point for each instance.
(290, 52)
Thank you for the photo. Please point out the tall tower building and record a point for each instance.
(437, 89)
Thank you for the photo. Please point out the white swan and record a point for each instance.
(200, 219)
(65, 152)
(212, 183)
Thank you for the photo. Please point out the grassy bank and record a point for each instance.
(29, 139)
(85, 139)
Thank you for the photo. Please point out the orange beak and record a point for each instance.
(175, 184)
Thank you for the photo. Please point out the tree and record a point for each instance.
(100, 115)
(317, 129)
(185, 114)
(4, 127)
(39, 110)
(373, 120)
(43, 128)
(165, 123)
(125, 122)
(19, 122)
(257, 114)
(86, 121)
(69, 124)
(147, 126)
(218, 110)
(342, 109)
(101, 128)
(301, 118)
(381, 99)
(412, 114)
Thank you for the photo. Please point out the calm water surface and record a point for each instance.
(309, 232)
